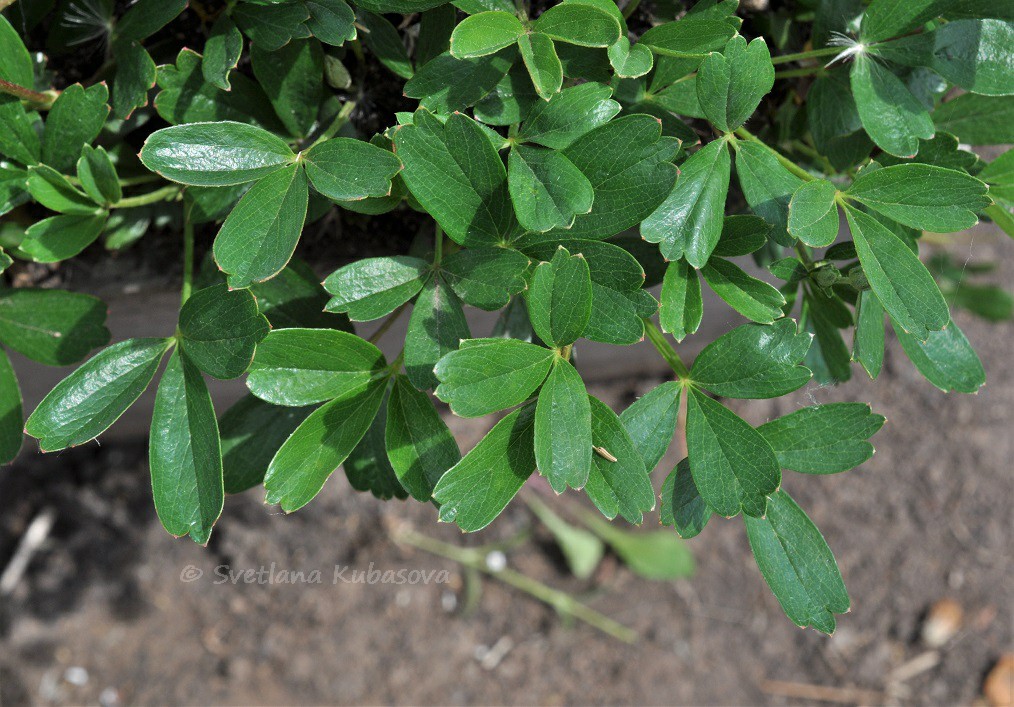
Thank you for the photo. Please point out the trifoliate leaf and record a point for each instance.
(813, 213)
(135, 76)
(75, 119)
(689, 38)
(445, 84)
(731, 84)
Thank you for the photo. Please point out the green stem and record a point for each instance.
(475, 558)
(388, 323)
(782, 159)
(126, 181)
(188, 256)
(337, 124)
(39, 100)
(812, 54)
(794, 73)
(666, 350)
(152, 197)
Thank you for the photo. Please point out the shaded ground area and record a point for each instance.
(927, 518)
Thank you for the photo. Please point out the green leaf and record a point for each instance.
(651, 422)
(135, 76)
(485, 277)
(458, 177)
(52, 190)
(61, 237)
(978, 120)
(368, 468)
(75, 119)
(18, 139)
(53, 327)
(813, 213)
(485, 33)
(834, 121)
(575, 23)
(731, 85)
(185, 453)
(742, 234)
(12, 418)
(548, 191)
(486, 375)
(621, 487)
(85, 403)
(539, 55)
(630, 61)
(823, 439)
(222, 51)
(435, 328)
(768, 187)
(563, 432)
(510, 100)
(581, 549)
(293, 78)
(16, 63)
(682, 505)
(259, 236)
(754, 299)
(946, 359)
(331, 21)
(754, 361)
(688, 38)
(219, 330)
(629, 164)
(145, 18)
(569, 115)
(901, 282)
(733, 466)
(420, 447)
(868, 345)
(828, 356)
(215, 154)
(98, 176)
(682, 306)
(445, 84)
(319, 445)
(13, 185)
(344, 169)
(894, 119)
(477, 489)
(252, 431)
(373, 287)
(560, 298)
(922, 196)
(689, 221)
(298, 367)
(271, 26)
(294, 298)
(797, 564)
(435, 29)
(385, 43)
(884, 19)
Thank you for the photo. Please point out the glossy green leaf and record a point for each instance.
(560, 298)
(98, 176)
(575, 23)
(252, 431)
(222, 51)
(259, 236)
(977, 120)
(621, 487)
(547, 190)
(293, 78)
(485, 277)
(344, 169)
(185, 453)
(219, 329)
(754, 299)
(368, 469)
(12, 418)
(884, 19)
(868, 344)
(797, 564)
(458, 177)
(299, 367)
(630, 61)
(731, 84)
(331, 21)
(477, 489)
(813, 213)
(145, 18)
(445, 84)
(435, 328)
(271, 26)
(946, 359)
(53, 327)
(651, 422)
(420, 447)
(486, 375)
(894, 119)
(485, 33)
(18, 139)
(510, 100)
(85, 403)
(135, 76)
(823, 439)
(75, 119)
(319, 445)
(569, 115)
(682, 506)
(373, 287)
(61, 237)
(733, 466)
(539, 55)
(52, 190)
(563, 432)
(922, 196)
(689, 221)
(682, 307)
(901, 282)
(385, 43)
(768, 187)
(688, 38)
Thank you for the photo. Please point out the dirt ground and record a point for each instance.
(103, 614)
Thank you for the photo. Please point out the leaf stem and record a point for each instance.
(782, 159)
(800, 56)
(794, 73)
(475, 558)
(164, 194)
(388, 323)
(337, 124)
(188, 255)
(666, 350)
(42, 101)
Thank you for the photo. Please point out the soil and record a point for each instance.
(927, 518)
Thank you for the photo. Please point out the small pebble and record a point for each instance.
(496, 561)
(942, 623)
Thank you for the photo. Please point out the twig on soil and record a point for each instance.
(32, 540)
(823, 693)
